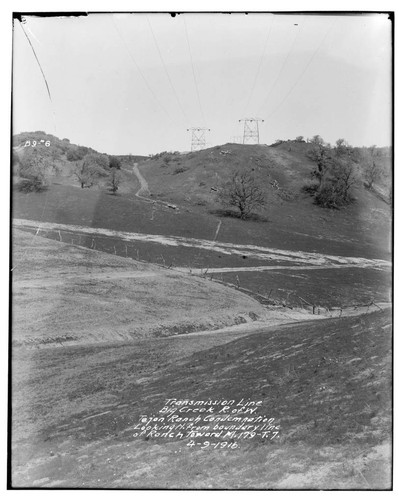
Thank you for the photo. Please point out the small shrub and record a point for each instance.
(310, 188)
(73, 155)
(179, 170)
(114, 162)
(34, 185)
(286, 195)
(331, 196)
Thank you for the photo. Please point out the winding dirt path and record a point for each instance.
(144, 192)
(144, 189)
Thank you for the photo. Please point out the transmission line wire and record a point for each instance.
(260, 65)
(166, 70)
(139, 70)
(55, 128)
(281, 69)
(302, 73)
(42, 72)
(192, 68)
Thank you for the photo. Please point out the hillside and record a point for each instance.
(61, 157)
(190, 181)
(327, 386)
(285, 315)
(61, 146)
(92, 297)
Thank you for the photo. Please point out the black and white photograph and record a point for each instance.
(201, 233)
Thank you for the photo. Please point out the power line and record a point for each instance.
(41, 69)
(260, 64)
(192, 68)
(281, 69)
(139, 70)
(302, 73)
(166, 70)
(38, 62)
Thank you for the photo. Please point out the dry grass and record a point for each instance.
(68, 294)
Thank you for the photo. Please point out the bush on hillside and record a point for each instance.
(114, 162)
(336, 173)
(243, 192)
(310, 188)
(77, 153)
(35, 184)
(332, 196)
(179, 170)
(114, 180)
(34, 167)
(91, 168)
(72, 154)
(372, 166)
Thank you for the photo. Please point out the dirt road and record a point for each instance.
(144, 189)
(249, 251)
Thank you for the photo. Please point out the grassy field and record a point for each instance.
(326, 383)
(293, 219)
(68, 294)
(357, 231)
(331, 232)
(291, 285)
(100, 340)
(326, 288)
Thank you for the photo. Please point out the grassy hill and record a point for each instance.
(290, 221)
(61, 157)
(90, 297)
(327, 385)
(122, 336)
(191, 180)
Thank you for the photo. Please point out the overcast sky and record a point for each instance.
(134, 83)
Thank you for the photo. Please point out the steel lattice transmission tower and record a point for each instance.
(198, 137)
(251, 130)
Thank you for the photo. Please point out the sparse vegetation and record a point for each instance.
(77, 153)
(92, 167)
(336, 173)
(242, 191)
(114, 180)
(320, 153)
(36, 184)
(33, 168)
(372, 170)
(179, 170)
(93, 308)
(114, 162)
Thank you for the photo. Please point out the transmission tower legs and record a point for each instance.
(198, 140)
(251, 130)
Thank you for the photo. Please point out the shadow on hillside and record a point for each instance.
(223, 212)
